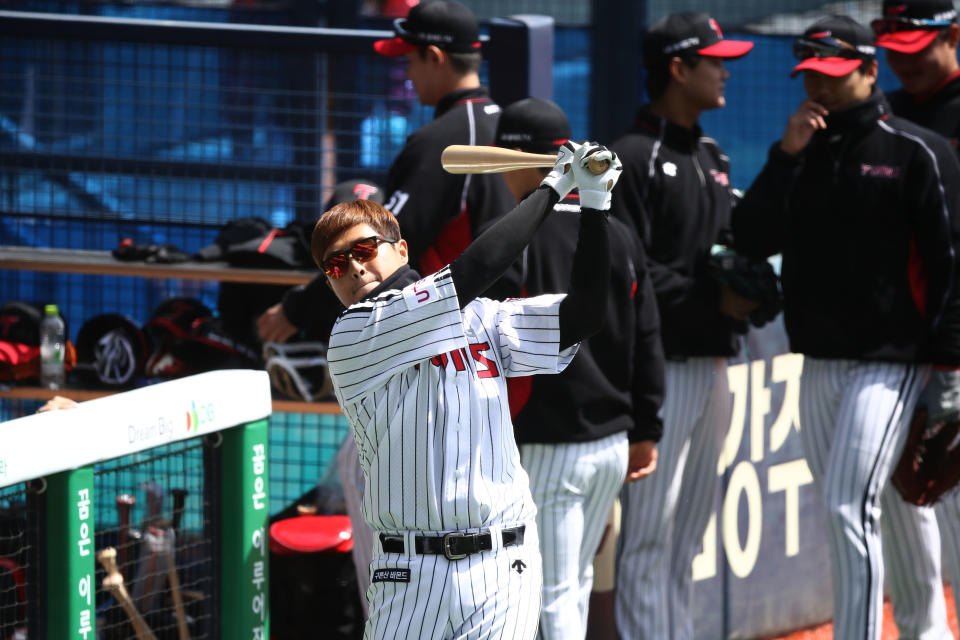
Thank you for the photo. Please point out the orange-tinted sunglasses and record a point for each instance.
(363, 250)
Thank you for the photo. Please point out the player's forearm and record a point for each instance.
(583, 311)
(489, 256)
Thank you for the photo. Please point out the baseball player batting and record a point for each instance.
(419, 368)
(855, 230)
(676, 193)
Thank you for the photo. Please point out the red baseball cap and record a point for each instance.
(834, 46)
(443, 23)
(909, 26)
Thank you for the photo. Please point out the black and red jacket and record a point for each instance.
(939, 112)
(675, 190)
(615, 383)
(439, 212)
(867, 218)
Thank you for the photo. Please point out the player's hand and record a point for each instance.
(561, 178)
(57, 403)
(642, 461)
(273, 326)
(734, 305)
(595, 189)
(801, 126)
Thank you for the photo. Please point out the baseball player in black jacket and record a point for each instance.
(439, 213)
(863, 207)
(920, 38)
(676, 192)
(581, 433)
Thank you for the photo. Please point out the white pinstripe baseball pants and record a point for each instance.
(665, 514)
(351, 478)
(911, 554)
(854, 423)
(485, 596)
(574, 486)
(948, 517)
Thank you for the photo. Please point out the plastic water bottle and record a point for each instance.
(53, 347)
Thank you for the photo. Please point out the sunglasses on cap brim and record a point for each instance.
(363, 250)
(805, 48)
(882, 26)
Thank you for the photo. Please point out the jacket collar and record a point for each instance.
(673, 135)
(949, 88)
(400, 278)
(859, 115)
(452, 99)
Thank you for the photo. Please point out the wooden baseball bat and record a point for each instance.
(124, 503)
(113, 582)
(169, 552)
(464, 158)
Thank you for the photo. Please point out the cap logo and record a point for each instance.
(433, 37)
(683, 44)
(713, 25)
(820, 34)
(363, 191)
(896, 10)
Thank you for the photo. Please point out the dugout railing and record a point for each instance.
(176, 472)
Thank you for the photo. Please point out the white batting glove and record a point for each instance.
(560, 178)
(595, 189)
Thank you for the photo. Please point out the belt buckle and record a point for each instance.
(448, 539)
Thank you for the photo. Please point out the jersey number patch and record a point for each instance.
(396, 202)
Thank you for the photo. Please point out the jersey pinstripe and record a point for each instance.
(423, 387)
(574, 484)
(481, 597)
(664, 516)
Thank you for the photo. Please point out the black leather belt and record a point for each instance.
(453, 546)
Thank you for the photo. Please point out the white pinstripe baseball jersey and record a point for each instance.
(423, 386)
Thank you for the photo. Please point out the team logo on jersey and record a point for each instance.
(518, 566)
(879, 171)
(721, 177)
(669, 169)
(391, 575)
(486, 367)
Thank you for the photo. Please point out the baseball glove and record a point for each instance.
(930, 464)
(751, 278)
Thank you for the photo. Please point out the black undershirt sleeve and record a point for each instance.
(486, 259)
(583, 311)
(489, 256)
